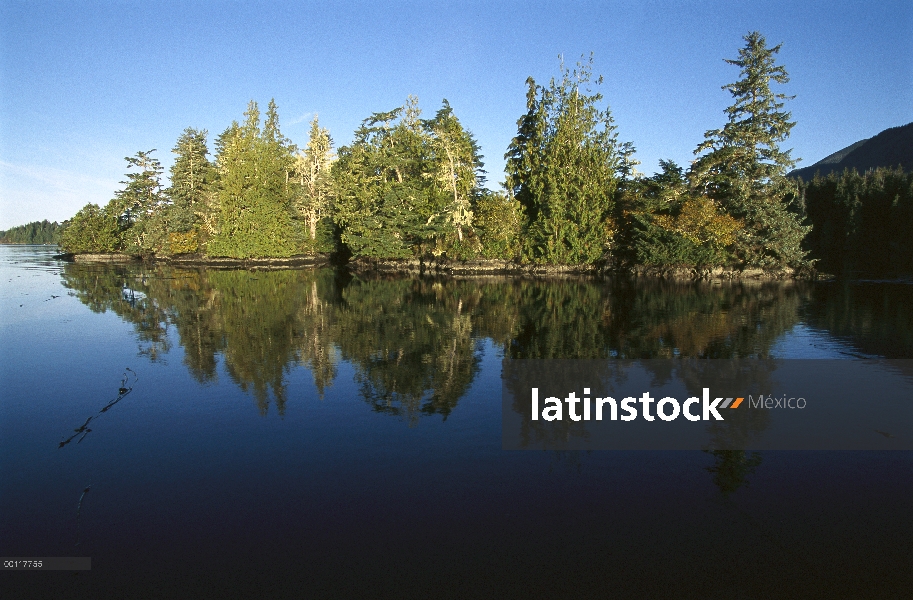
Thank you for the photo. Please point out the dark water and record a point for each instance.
(314, 434)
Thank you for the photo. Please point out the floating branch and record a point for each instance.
(78, 509)
(125, 388)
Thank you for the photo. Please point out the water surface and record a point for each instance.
(311, 433)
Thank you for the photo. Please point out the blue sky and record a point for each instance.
(84, 84)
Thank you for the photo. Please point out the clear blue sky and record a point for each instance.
(84, 84)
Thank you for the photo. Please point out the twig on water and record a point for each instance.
(78, 509)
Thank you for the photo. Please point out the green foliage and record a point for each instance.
(133, 222)
(459, 169)
(36, 232)
(744, 169)
(563, 167)
(183, 242)
(313, 193)
(255, 199)
(656, 245)
(407, 186)
(861, 223)
(140, 206)
(378, 191)
(664, 223)
(91, 230)
(192, 179)
(499, 223)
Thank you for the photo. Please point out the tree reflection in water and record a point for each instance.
(416, 343)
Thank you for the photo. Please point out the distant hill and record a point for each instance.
(890, 148)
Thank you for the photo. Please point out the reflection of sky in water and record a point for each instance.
(806, 342)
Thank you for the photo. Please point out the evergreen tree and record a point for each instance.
(498, 221)
(406, 185)
(192, 174)
(142, 195)
(863, 223)
(255, 199)
(91, 230)
(375, 219)
(563, 167)
(525, 154)
(663, 222)
(744, 169)
(459, 167)
(140, 206)
(312, 171)
(36, 232)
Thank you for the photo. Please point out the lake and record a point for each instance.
(314, 433)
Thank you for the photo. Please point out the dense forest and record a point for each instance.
(409, 187)
(414, 187)
(36, 232)
(862, 223)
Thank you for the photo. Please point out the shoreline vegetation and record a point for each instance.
(408, 195)
(434, 266)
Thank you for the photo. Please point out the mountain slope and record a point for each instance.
(890, 148)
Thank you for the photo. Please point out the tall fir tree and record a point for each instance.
(375, 218)
(743, 168)
(460, 173)
(142, 193)
(192, 176)
(563, 166)
(314, 192)
(139, 207)
(255, 199)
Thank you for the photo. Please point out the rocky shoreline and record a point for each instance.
(470, 268)
(723, 274)
(199, 260)
(502, 267)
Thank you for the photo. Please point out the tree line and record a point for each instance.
(411, 187)
(36, 232)
(862, 222)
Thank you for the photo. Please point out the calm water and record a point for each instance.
(310, 434)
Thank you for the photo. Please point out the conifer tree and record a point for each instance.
(374, 210)
(743, 168)
(459, 167)
(140, 206)
(192, 175)
(91, 230)
(312, 171)
(525, 154)
(406, 186)
(563, 167)
(142, 195)
(255, 200)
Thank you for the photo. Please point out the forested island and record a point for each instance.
(413, 189)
